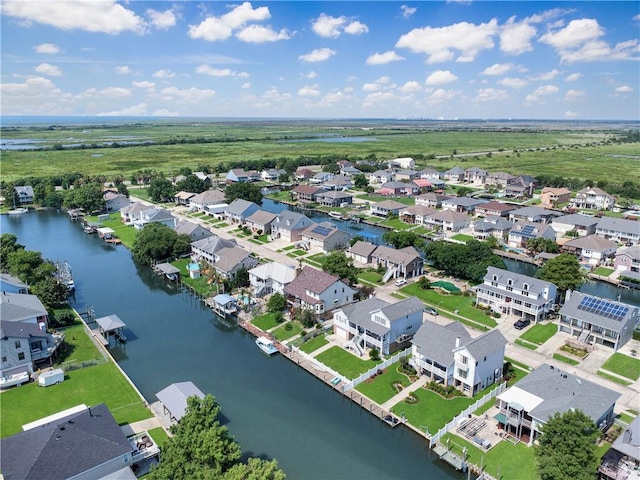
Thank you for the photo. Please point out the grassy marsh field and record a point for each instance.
(566, 153)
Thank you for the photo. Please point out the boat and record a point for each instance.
(337, 215)
(266, 345)
(18, 211)
(14, 380)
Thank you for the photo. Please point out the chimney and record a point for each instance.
(457, 342)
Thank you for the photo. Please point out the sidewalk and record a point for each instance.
(404, 393)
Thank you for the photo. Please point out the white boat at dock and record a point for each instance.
(266, 345)
(18, 211)
(14, 380)
(337, 215)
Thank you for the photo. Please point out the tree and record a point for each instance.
(567, 447)
(337, 263)
(255, 469)
(355, 239)
(464, 191)
(401, 239)
(29, 266)
(192, 184)
(537, 245)
(563, 271)
(284, 178)
(89, 197)
(155, 242)
(246, 191)
(360, 181)
(277, 303)
(240, 278)
(161, 190)
(122, 189)
(51, 292)
(8, 245)
(468, 261)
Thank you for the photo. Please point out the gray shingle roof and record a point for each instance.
(288, 220)
(239, 206)
(619, 225)
(15, 307)
(360, 314)
(437, 341)
(214, 243)
(363, 249)
(571, 310)
(11, 280)
(261, 217)
(404, 308)
(20, 330)
(229, 258)
(577, 219)
(64, 448)
(486, 344)
(592, 242)
(629, 442)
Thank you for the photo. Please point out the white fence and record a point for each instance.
(366, 375)
(453, 423)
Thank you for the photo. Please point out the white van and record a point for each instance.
(400, 282)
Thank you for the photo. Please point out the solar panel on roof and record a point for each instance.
(322, 230)
(604, 308)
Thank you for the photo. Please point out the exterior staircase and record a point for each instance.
(354, 344)
(584, 336)
(390, 272)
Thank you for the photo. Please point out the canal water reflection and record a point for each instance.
(273, 408)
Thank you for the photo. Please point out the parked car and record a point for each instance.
(520, 324)
(400, 282)
(431, 311)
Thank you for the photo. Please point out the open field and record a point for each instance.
(241, 142)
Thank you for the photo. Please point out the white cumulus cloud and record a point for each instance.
(332, 27)
(123, 70)
(574, 34)
(515, 38)
(261, 34)
(215, 28)
(309, 91)
(48, 48)
(497, 69)
(491, 95)
(512, 82)
(162, 20)
(572, 77)
(407, 11)
(624, 89)
(317, 55)
(47, 69)
(440, 77)
(545, 76)
(574, 95)
(143, 84)
(189, 95)
(410, 87)
(134, 110)
(356, 28)
(384, 58)
(218, 72)
(164, 74)
(441, 95)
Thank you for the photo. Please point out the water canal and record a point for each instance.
(273, 408)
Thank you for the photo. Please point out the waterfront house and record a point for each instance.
(522, 232)
(622, 460)
(448, 355)
(593, 198)
(386, 207)
(431, 199)
(272, 174)
(155, 215)
(423, 184)
(491, 226)
(318, 291)
(582, 225)
(183, 198)
(598, 320)
(217, 210)
(592, 249)
(307, 193)
(361, 251)
(398, 188)
(132, 212)
(475, 175)
(400, 263)
(349, 171)
(339, 182)
(260, 221)
(510, 293)
(289, 225)
(325, 237)
(407, 175)
(376, 324)
(321, 177)
(192, 230)
(533, 214)
(382, 176)
(239, 210)
(201, 201)
(113, 201)
(525, 407)
(237, 175)
(206, 249)
(430, 174)
(24, 194)
(499, 179)
(23, 307)
(462, 204)
(455, 174)
(24, 345)
(11, 284)
(448, 220)
(79, 443)
(303, 173)
(619, 230)
(627, 262)
(404, 162)
(516, 191)
(334, 198)
(551, 197)
(416, 214)
(227, 261)
(269, 278)
(493, 208)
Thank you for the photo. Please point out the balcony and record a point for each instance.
(38, 354)
(143, 446)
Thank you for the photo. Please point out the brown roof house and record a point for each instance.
(318, 291)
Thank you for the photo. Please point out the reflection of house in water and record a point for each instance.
(111, 326)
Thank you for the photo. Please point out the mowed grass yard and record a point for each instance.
(380, 389)
(540, 333)
(623, 365)
(126, 233)
(314, 344)
(89, 386)
(345, 363)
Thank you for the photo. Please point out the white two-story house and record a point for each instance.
(510, 293)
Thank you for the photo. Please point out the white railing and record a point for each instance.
(366, 375)
(465, 414)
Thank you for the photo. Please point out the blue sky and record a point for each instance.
(401, 59)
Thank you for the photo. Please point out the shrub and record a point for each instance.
(424, 283)
(278, 317)
(288, 327)
(64, 318)
(374, 354)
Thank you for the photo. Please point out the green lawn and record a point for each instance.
(159, 435)
(370, 277)
(91, 386)
(613, 379)
(462, 237)
(380, 389)
(126, 233)
(604, 271)
(623, 365)
(431, 410)
(517, 363)
(344, 362)
(522, 343)
(200, 285)
(564, 359)
(540, 333)
(282, 334)
(314, 344)
(397, 224)
(78, 346)
(265, 322)
(463, 304)
(290, 247)
(512, 461)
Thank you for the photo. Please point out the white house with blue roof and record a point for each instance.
(598, 320)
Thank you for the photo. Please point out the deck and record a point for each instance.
(451, 458)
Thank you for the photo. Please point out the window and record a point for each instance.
(464, 360)
(4, 359)
(525, 287)
(17, 343)
(21, 356)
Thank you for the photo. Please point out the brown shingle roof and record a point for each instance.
(310, 279)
